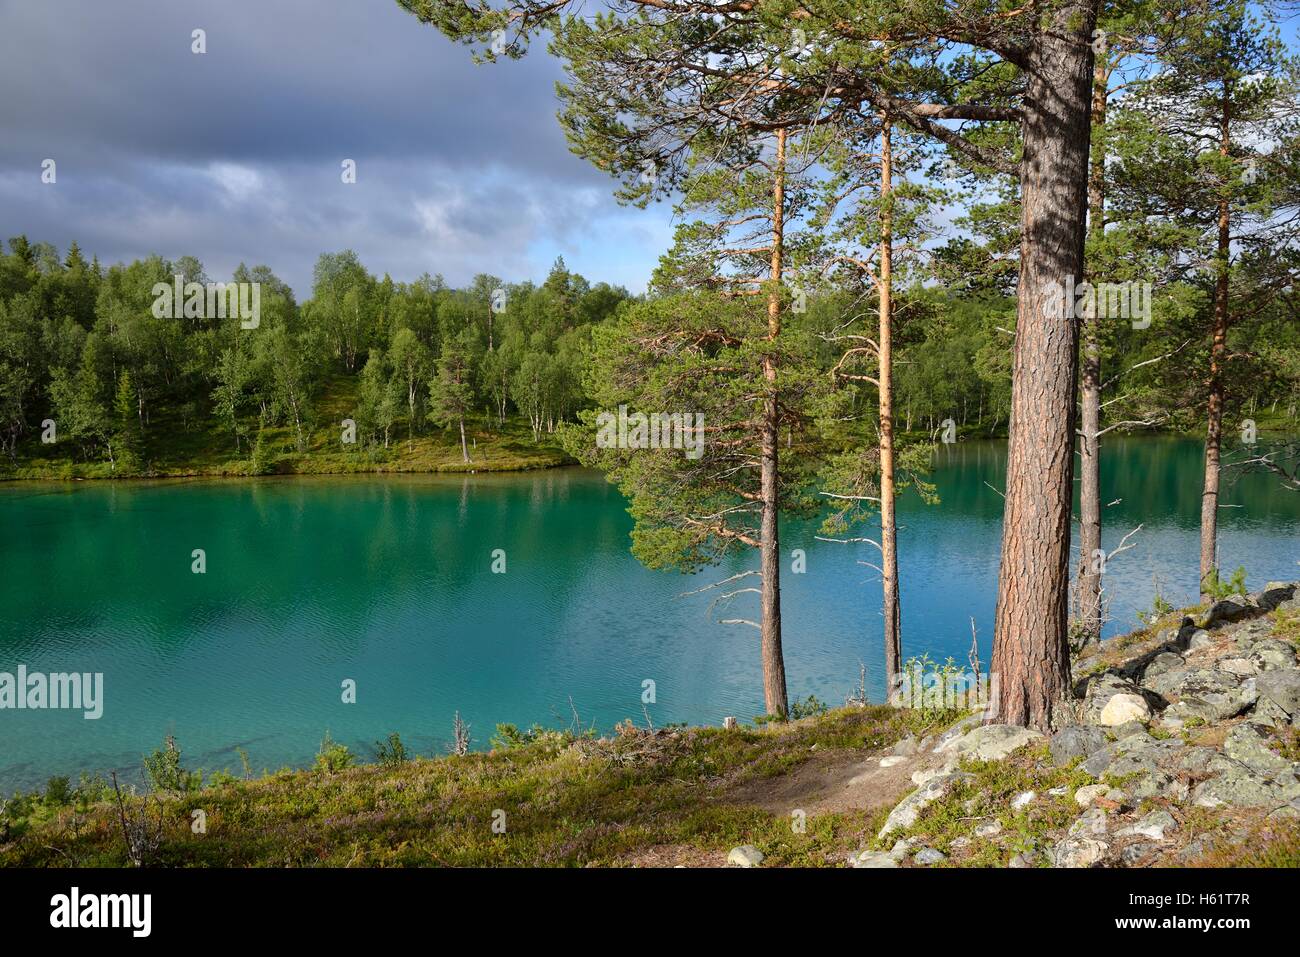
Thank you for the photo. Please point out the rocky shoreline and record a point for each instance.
(1184, 739)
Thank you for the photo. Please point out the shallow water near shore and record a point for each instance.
(388, 581)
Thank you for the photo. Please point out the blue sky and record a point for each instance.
(235, 155)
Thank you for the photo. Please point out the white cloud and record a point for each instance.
(241, 183)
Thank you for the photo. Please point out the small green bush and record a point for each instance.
(1218, 589)
(58, 792)
(509, 736)
(807, 708)
(164, 772)
(1159, 608)
(391, 753)
(333, 756)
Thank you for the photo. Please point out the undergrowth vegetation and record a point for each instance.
(540, 797)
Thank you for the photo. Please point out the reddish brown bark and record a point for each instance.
(774, 689)
(1030, 646)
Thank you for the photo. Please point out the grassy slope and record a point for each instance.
(567, 803)
(175, 448)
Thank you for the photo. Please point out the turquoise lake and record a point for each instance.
(388, 581)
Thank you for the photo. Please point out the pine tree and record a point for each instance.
(127, 435)
(75, 260)
(451, 392)
(858, 233)
(662, 104)
(1207, 154)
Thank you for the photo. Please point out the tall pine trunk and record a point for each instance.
(888, 528)
(1089, 577)
(1218, 353)
(774, 691)
(1031, 657)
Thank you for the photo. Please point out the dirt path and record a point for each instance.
(834, 782)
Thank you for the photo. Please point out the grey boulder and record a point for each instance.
(1282, 688)
(1076, 741)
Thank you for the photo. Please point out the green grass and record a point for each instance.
(567, 802)
(178, 446)
(1286, 625)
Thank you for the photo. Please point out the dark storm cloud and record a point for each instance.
(234, 155)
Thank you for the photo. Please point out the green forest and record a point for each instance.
(134, 395)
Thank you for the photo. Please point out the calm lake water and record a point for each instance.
(388, 581)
